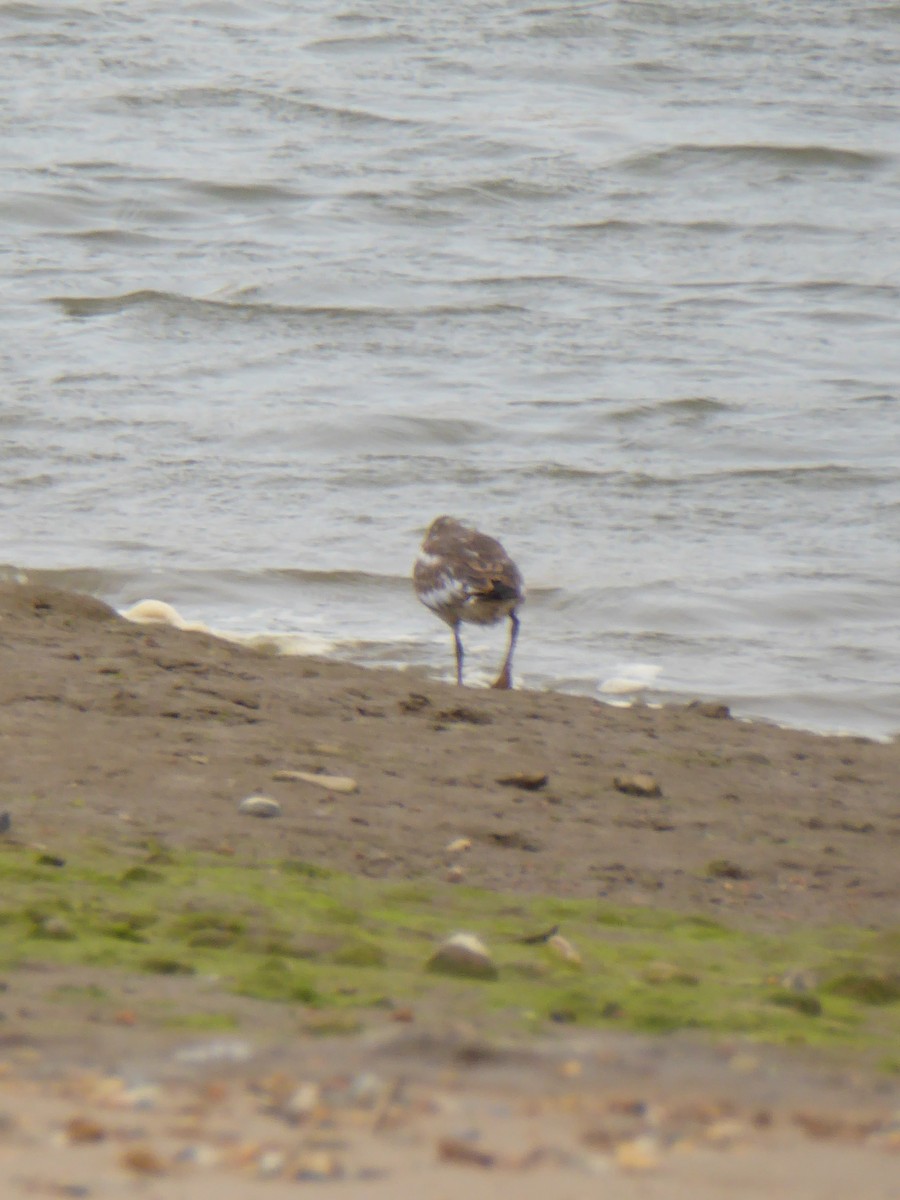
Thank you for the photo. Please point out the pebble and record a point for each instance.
(57, 928)
(366, 1089)
(142, 1161)
(454, 874)
(199, 1156)
(637, 785)
(725, 1133)
(709, 708)
(317, 1166)
(529, 781)
(82, 1130)
(332, 783)
(260, 806)
(270, 1163)
(302, 1103)
(799, 979)
(141, 1096)
(463, 954)
(638, 1154)
(223, 1050)
(458, 846)
(458, 1150)
(564, 949)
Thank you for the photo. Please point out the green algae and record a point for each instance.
(338, 945)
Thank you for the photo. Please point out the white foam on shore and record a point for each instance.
(630, 679)
(624, 688)
(160, 612)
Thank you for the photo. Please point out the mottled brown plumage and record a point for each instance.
(464, 575)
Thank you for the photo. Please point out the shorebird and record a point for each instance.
(464, 575)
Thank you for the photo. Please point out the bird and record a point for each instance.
(462, 574)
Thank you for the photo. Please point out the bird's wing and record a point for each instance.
(484, 568)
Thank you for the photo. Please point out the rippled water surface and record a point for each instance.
(618, 281)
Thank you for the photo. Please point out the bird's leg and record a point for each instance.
(459, 654)
(504, 679)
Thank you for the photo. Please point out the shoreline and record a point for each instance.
(96, 706)
(868, 715)
(291, 645)
(134, 745)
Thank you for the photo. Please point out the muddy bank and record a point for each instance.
(118, 732)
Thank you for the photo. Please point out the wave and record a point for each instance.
(177, 303)
(706, 226)
(801, 156)
(232, 193)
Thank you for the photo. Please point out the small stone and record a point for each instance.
(666, 972)
(799, 979)
(528, 781)
(82, 1130)
(270, 1163)
(572, 1068)
(709, 708)
(366, 1089)
(637, 1154)
(316, 1166)
(637, 785)
(463, 954)
(5, 822)
(725, 1133)
(223, 1050)
(458, 846)
(142, 1161)
(142, 1096)
(199, 1156)
(302, 1103)
(56, 928)
(564, 949)
(454, 874)
(259, 806)
(458, 1150)
(332, 783)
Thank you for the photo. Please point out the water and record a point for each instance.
(618, 281)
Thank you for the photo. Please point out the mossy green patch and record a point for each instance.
(802, 1002)
(337, 945)
(868, 989)
(202, 1022)
(361, 952)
